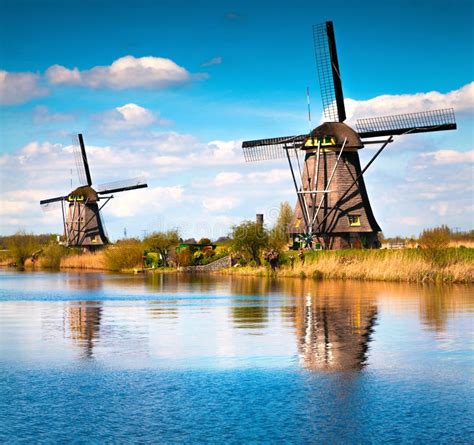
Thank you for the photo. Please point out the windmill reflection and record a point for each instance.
(334, 335)
(84, 324)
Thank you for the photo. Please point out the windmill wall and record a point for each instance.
(333, 225)
(84, 226)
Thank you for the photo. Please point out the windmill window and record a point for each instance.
(354, 220)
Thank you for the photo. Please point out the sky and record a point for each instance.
(168, 90)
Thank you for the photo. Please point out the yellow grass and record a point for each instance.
(88, 260)
(400, 265)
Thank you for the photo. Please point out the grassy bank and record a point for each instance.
(409, 265)
(450, 265)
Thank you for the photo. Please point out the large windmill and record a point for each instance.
(333, 207)
(83, 225)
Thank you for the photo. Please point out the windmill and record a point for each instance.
(83, 225)
(333, 208)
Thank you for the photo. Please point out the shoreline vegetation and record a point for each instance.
(438, 255)
(452, 265)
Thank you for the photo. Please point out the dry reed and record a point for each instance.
(396, 265)
(87, 260)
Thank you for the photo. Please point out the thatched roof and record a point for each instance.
(84, 192)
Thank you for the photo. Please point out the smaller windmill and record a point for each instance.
(83, 224)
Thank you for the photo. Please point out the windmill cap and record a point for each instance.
(84, 193)
(340, 132)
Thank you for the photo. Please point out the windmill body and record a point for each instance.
(333, 210)
(82, 220)
(83, 225)
(351, 221)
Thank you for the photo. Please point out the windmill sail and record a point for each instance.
(121, 186)
(80, 158)
(273, 148)
(328, 72)
(422, 122)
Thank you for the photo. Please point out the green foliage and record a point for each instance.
(278, 236)
(22, 246)
(433, 242)
(198, 256)
(436, 238)
(249, 238)
(51, 256)
(162, 243)
(152, 259)
(126, 254)
(204, 241)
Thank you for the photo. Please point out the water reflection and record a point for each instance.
(84, 324)
(334, 335)
(439, 303)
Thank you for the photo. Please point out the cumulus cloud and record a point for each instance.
(445, 157)
(154, 199)
(214, 61)
(125, 72)
(462, 100)
(17, 88)
(127, 117)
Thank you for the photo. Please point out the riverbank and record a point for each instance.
(407, 265)
(452, 265)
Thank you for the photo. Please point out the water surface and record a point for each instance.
(89, 357)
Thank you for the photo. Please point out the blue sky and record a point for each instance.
(239, 70)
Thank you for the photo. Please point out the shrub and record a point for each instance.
(248, 239)
(183, 257)
(124, 255)
(163, 243)
(51, 256)
(433, 242)
(22, 245)
(204, 241)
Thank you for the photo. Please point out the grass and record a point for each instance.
(409, 265)
(88, 260)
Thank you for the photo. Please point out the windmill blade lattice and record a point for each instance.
(328, 72)
(121, 186)
(273, 148)
(421, 122)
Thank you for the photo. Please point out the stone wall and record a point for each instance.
(221, 263)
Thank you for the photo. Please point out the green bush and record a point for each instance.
(22, 246)
(51, 256)
(124, 255)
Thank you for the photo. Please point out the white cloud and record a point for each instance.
(16, 88)
(153, 199)
(216, 204)
(125, 72)
(214, 61)
(271, 176)
(445, 157)
(462, 100)
(128, 117)
(42, 115)
(226, 178)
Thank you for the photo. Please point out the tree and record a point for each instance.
(248, 239)
(22, 245)
(436, 238)
(279, 236)
(204, 241)
(162, 242)
(433, 242)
